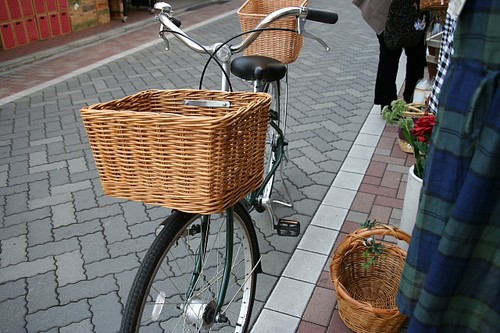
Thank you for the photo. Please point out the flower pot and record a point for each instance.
(410, 205)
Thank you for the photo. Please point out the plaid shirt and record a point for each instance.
(451, 279)
(445, 53)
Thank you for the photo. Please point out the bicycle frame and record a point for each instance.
(223, 53)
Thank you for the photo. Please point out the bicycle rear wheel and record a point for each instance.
(168, 295)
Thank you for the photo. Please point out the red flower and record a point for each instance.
(422, 128)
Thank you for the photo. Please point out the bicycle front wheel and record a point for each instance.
(179, 282)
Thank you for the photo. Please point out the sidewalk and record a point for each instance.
(57, 238)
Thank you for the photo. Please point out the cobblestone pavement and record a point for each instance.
(69, 253)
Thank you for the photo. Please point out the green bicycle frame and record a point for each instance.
(250, 199)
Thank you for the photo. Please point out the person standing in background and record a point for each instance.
(375, 13)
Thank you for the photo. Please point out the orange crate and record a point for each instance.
(7, 36)
(55, 24)
(31, 28)
(20, 33)
(42, 22)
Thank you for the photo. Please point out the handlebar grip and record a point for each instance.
(176, 21)
(323, 16)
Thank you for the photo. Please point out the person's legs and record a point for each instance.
(385, 84)
(125, 11)
(415, 64)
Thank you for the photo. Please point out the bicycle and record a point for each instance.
(200, 272)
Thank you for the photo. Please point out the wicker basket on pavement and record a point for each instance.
(367, 295)
(284, 46)
(154, 148)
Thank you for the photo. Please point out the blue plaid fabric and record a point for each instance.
(451, 278)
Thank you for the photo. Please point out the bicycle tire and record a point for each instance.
(167, 264)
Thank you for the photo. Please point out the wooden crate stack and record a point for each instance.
(25, 21)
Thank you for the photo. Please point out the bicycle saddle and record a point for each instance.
(258, 68)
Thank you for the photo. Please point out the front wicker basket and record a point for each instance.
(281, 45)
(367, 296)
(151, 147)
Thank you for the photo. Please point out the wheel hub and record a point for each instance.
(197, 310)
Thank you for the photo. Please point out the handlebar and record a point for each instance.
(323, 16)
(301, 13)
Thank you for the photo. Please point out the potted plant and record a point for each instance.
(415, 129)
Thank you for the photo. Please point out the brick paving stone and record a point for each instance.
(39, 189)
(141, 244)
(26, 179)
(370, 180)
(53, 248)
(389, 202)
(63, 214)
(93, 247)
(134, 212)
(98, 212)
(115, 229)
(41, 293)
(321, 306)
(76, 229)
(113, 265)
(69, 268)
(84, 199)
(376, 169)
(59, 316)
(87, 289)
(391, 179)
(26, 269)
(382, 189)
(40, 232)
(12, 231)
(12, 289)
(381, 213)
(13, 315)
(38, 158)
(13, 250)
(59, 176)
(337, 325)
(84, 326)
(77, 165)
(50, 201)
(307, 327)
(363, 202)
(124, 280)
(106, 310)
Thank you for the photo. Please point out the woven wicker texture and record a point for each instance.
(367, 296)
(433, 4)
(150, 147)
(281, 45)
(416, 110)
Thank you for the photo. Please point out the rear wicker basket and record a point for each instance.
(367, 296)
(281, 45)
(434, 5)
(151, 147)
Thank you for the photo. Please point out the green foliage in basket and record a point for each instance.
(374, 250)
(394, 112)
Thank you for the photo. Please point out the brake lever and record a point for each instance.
(316, 38)
(302, 31)
(165, 40)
